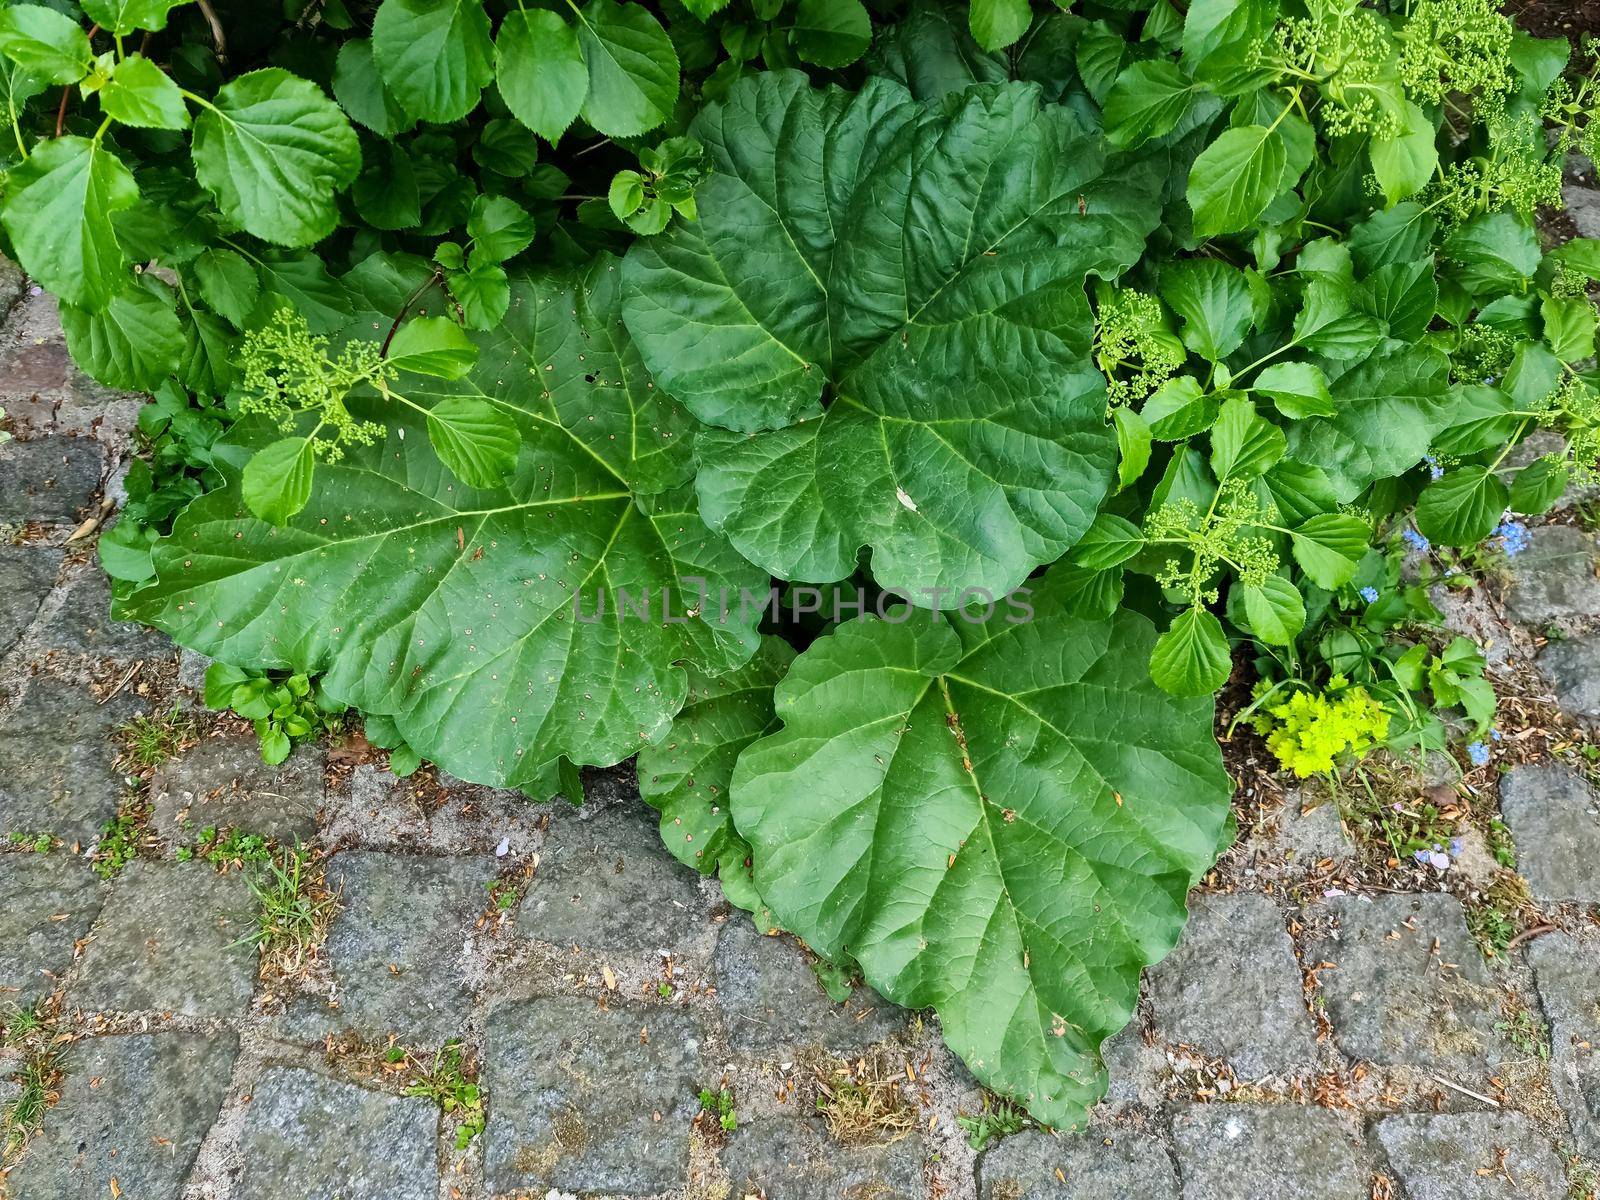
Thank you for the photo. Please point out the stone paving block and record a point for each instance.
(1133, 1069)
(26, 576)
(585, 1099)
(1573, 669)
(314, 1138)
(1394, 998)
(47, 902)
(221, 782)
(1272, 1152)
(1232, 988)
(168, 940)
(58, 752)
(395, 946)
(50, 479)
(1093, 1166)
(791, 1159)
(606, 884)
(1553, 579)
(134, 1108)
(1472, 1156)
(1567, 973)
(82, 628)
(40, 387)
(1583, 206)
(771, 1000)
(1554, 816)
(1305, 837)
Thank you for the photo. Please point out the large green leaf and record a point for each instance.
(436, 56)
(133, 344)
(275, 151)
(451, 609)
(686, 776)
(999, 821)
(890, 295)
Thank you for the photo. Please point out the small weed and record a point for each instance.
(21, 1118)
(664, 990)
(119, 841)
(1524, 1030)
(1494, 920)
(18, 1023)
(232, 849)
(151, 741)
(1501, 844)
(33, 843)
(503, 894)
(1583, 1179)
(837, 981)
(720, 1105)
(447, 1082)
(293, 910)
(999, 1118)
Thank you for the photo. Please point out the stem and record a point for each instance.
(61, 111)
(436, 277)
(218, 39)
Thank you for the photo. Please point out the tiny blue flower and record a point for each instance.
(1494, 735)
(1435, 471)
(1416, 541)
(1455, 847)
(1513, 536)
(1478, 753)
(1420, 855)
(1369, 594)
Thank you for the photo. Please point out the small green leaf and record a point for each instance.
(834, 33)
(133, 344)
(436, 56)
(1329, 547)
(1274, 609)
(633, 68)
(274, 151)
(1133, 445)
(140, 93)
(499, 229)
(1179, 408)
(1235, 178)
(1243, 442)
(1297, 389)
(58, 213)
(996, 24)
(474, 439)
(45, 43)
(1405, 162)
(1191, 657)
(484, 294)
(1109, 542)
(1329, 324)
(1147, 101)
(277, 479)
(1569, 327)
(540, 71)
(122, 17)
(361, 90)
(1539, 485)
(1215, 302)
(1463, 507)
(433, 346)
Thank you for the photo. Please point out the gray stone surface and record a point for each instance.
(40, 388)
(1567, 974)
(772, 1003)
(313, 1138)
(1573, 669)
(1471, 1156)
(1554, 816)
(82, 628)
(592, 876)
(791, 1159)
(58, 754)
(47, 902)
(1583, 206)
(48, 479)
(1553, 579)
(26, 575)
(168, 940)
(221, 782)
(1306, 837)
(395, 947)
(1093, 1166)
(1232, 988)
(584, 1098)
(134, 1109)
(1408, 985)
(1275, 1152)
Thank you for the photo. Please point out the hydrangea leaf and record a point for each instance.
(996, 820)
(436, 56)
(540, 71)
(449, 608)
(274, 151)
(687, 775)
(134, 344)
(633, 68)
(890, 296)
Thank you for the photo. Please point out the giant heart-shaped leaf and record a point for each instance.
(998, 820)
(890, 295)
(449, 608)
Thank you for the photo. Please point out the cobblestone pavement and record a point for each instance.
(1328, 1028)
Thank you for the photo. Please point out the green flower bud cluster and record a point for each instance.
(1456, 47)
(287, 371)
(1135, 350)
(1223, 536)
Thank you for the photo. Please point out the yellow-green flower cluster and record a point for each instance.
(1349, 50)
(1456, 46)
(1135, 350)
(288, 371)
(1310, 730)
(1225, 535)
